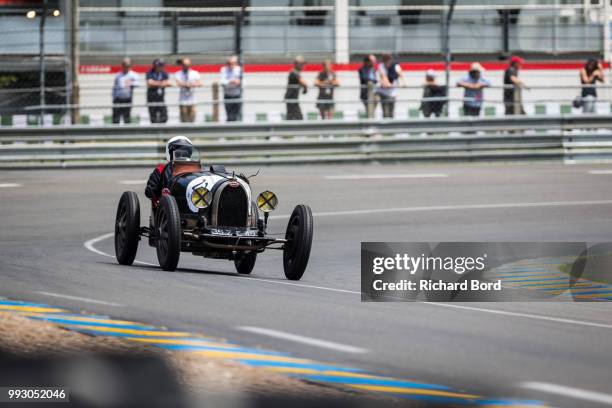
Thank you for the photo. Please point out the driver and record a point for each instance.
(160, 177)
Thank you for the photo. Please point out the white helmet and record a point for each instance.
(178, 142)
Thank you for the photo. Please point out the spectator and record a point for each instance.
(390, 73)
(157, 82)
(473, 84)
(231, 80)
(367, 76)
(123, 90)
(434, 95)
(294, 83)
(326, 82)
(589, 75)
(187, 79)
(512, 87)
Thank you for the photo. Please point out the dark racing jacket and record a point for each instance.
(158, 180)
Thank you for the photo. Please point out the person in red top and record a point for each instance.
(160, 177)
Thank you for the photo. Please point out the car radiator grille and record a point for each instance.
(233, 207)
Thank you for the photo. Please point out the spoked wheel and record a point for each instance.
(245, 263)
(168, 225)
(127, 226)
(299, 241)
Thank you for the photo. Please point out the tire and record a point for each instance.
(299, 236)
(127, 228)
(168, 225)
(246, 263)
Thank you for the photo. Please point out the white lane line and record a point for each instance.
(570, 392)
(10, 185)
(89, 245)
(132, 182)
(303, 339)
(600, 171)
(81, 299)
(383, 176)
(456, 207)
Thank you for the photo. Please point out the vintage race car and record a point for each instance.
(211, 213)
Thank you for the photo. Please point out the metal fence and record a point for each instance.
(282, 29)
(567, 138)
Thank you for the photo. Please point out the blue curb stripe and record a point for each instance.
(386, 382)
(313, 366)
(577, 289)
(543, 281)
(182, 347)
(26, 304)
(97, 324)
(605, 293)
(519, 275)
(436, 399)
(511, 402)
(113, 334)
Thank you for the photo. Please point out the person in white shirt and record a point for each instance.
(390, 74)
(187, 79)
(123, 90)
(231, 81)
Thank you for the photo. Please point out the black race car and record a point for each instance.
(211, 213)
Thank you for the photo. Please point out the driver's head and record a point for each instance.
(179, 143)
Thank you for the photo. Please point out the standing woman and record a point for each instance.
(326, 82)
(589, 75)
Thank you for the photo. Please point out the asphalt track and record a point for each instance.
(525, 350)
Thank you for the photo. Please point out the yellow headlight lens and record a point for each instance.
(267, 201)
(201, 197)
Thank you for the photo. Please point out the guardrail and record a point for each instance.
(579, 137)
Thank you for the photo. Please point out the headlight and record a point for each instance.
(267, 201)
(201, 197)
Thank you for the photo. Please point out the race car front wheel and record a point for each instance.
(127, 226)
(299, 241)
(168, 225)
(245, 263)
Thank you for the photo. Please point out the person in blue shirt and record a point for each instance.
(473, 83)
(157, 82)
(123, 90)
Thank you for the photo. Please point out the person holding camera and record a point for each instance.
(187, 80)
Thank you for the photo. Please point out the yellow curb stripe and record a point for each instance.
(560, 286)
(202, 342)
(31, 309)
(298, 370)
(237, 355)
(128, 331)
(413, 391)
(594, 295)
(530, 278)
(83, 319)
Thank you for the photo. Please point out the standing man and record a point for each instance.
(390, 74)
(367, 76)
(187, 79)
(231, 79)
(326, 81)
(512, 87)
(473, 84)
(123, 90)
(295, 82)
(157, 82)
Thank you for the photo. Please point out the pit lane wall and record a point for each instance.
(568, 138)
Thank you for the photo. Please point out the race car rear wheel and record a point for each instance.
(245, 263)
(299, 240)
(168, 225)
(127, 226)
